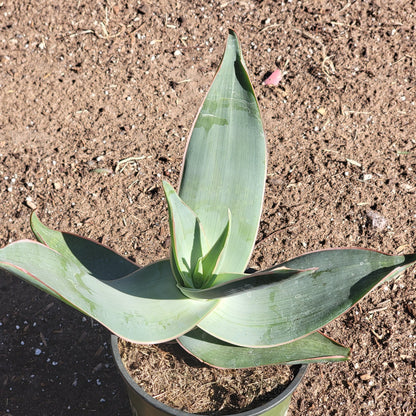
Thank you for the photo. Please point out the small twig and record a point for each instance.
(378, 336)
(83, 32)
(270, 27)
(133, 183)
(93, 32)
(309, 36)
(356, 112)
(166, 23)
(377, 310)
(346, 7)
(326, 60)
(131, 159)
(403, 58)
(330, 64)
(381, 395)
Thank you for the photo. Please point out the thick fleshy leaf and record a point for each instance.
(194, 262)
(197, 274)
(315, 347)
(145, 306)
(12, 264)
(210, 261)
(92, 257)
(188, 240)
(237, 284)
(305, 302)
(225, 162)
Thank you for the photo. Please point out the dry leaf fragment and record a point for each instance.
(274, 78)
(354, 162)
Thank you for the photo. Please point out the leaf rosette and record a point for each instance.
(202, 295)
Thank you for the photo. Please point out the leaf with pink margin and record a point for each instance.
(292, 308)
(143, 307)
(313, 348)
(95, 258)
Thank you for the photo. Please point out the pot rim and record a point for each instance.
(301, 370)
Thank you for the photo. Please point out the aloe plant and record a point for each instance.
(202, 295)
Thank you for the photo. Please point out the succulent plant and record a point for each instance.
(202, 296)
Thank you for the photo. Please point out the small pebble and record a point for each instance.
(377, 220)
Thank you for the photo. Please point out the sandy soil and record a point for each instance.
(96, 100)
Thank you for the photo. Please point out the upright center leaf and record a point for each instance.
(188, 241)
(225, 162)
(192, 260)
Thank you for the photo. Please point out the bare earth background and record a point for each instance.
(96, 100)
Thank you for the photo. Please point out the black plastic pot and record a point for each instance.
(142, 404)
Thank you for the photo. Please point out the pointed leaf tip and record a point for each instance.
(188, 240)
(144, 307)
(304, 302)
(212, 259)
(313, 348)
(92, 257)
(227, 137)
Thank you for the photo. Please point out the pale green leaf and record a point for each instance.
(294, 307)
(211, 260)
(188, 241)
(234, 284)
(144, 307)
(315, 347)
(94, 258)
(225, 162)
(197, 275)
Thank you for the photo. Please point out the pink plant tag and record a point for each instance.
(274, 78)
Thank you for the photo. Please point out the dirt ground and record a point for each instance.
(96, 101)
